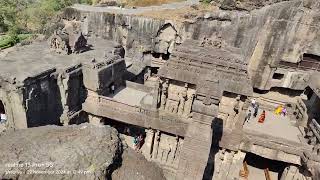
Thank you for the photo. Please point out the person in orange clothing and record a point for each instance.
(262, 117)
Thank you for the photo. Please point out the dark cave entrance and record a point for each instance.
(278, 76)
(311, 57)
(122, 127)
(258, 164)
(154, 71)
(128, 131)
(308, 62)
(162, 56)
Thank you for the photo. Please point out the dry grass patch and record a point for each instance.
(180, 14)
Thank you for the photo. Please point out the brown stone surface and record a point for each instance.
(52, 152)
(134, 166)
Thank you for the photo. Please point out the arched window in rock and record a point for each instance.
(165, 39)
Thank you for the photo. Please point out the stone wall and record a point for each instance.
(12, 99)
(51, 97)
(99, 76)
(282, 31)
(276, 31)
(72, 93)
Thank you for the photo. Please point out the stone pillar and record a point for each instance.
(149, 143)
(156, 145)
(19, 114)
(175, 149)
(62, 81)
(193, 165)
(236, 165)
(289, 173)
(95, 120)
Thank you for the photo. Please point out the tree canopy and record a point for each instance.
(29, 15)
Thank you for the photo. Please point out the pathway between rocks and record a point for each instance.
(138, 10)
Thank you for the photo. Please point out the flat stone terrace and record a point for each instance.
(31, 60)
(274, 126)
(129, 96)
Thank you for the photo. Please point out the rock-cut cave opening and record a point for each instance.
(257, 166)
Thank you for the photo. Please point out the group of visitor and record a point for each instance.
(281, 110)
(255, 108)
(138, 141)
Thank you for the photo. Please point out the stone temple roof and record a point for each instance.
(213, 70)
(29, 61)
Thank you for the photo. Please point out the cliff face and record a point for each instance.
(273, 33)
(267, 32)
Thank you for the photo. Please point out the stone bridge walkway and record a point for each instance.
(103, 106)
(138, 10)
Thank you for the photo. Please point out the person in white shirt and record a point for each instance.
(112, 88)
(253, 102)
(3, 118)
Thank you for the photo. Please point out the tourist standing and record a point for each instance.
(112, 88)
(278, 110)
(140, 142)
(256, 110)
(284, 111)
(248, 117)
(135, 142)
(3, 118)
(253, 102)
(262, 117)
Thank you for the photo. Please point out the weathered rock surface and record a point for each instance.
(136, 167)
(267, 31)
(53, 152)
(244, 4)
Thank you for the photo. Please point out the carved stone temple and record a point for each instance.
(187, 85)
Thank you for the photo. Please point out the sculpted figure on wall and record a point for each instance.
(164, 94)
(188, 103)
(182, 99)
(172, 106)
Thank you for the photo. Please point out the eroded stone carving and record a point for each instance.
(188, 104)
(164, 94)
(182, 99)
(65, 43)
